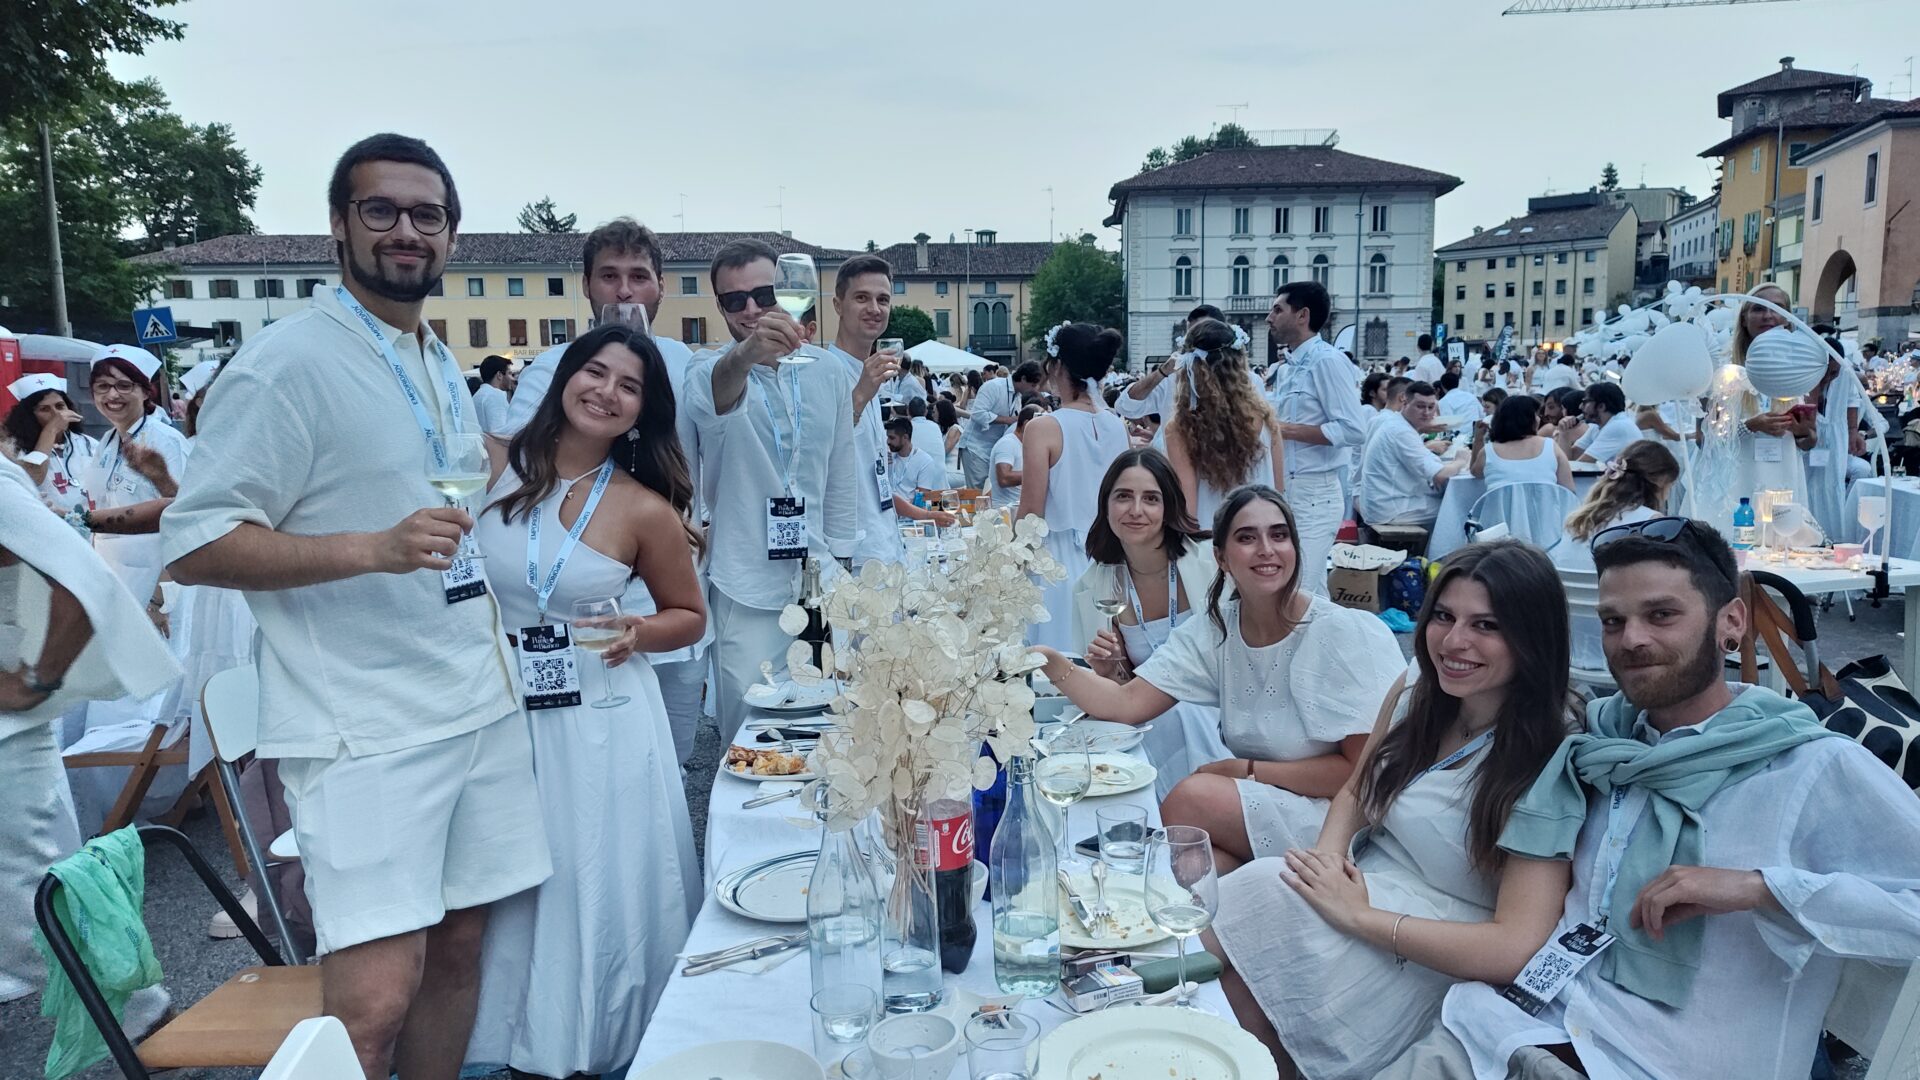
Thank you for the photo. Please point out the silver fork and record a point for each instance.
(1102, 912)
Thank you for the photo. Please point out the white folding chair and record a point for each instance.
(1583, 596)
(316, 1049)
(231, 704)
(1536, 513)
(1897, 1055)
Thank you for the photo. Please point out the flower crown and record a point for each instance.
(1053, 349)
(1240, 340)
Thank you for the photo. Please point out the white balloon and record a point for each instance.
(1671, 365)
(1785, 363)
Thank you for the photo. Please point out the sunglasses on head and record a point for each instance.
(1666, 530)
(734, 302)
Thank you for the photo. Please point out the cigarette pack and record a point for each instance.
(1105, 985)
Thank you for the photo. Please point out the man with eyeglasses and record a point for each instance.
(778, 470)
(1732, 859)
(386, 691)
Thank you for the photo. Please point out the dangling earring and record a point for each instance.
(633, 434)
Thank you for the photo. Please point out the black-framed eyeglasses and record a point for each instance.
(736, 301)
(381, 215)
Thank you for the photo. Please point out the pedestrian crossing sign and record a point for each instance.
(153, 325)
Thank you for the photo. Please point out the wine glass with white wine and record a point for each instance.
(796, 288)
(458, 473)
(596, 626)
(1182, 891)
(1063, 777)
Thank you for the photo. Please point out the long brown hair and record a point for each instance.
(1222, 523)
(1531, 610)
(649, 452)
(1177, 527)
(1640, 476)
(1217, 413)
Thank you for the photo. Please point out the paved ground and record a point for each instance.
(178, 907)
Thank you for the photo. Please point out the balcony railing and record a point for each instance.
(989, 343)
(1249, 303)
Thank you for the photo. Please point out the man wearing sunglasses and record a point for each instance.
(1731, 857)
(779, 473)
(386, 692)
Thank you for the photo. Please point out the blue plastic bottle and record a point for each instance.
(1743, 527)
(988, 806)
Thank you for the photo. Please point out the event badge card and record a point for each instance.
(883, 483)
(1768, 448)
(463, 580)
(786, 528)
(1554, 966)
(548, 670)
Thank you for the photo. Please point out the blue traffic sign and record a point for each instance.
(153, 325)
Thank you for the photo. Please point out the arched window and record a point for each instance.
(1000, 318)
(1183, 276)
(1282, 271)
(1322, 269)
(1377, 274)
(1241, 276)
(982, 324)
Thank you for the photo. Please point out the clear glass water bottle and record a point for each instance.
(1026, 893)
(843, 915)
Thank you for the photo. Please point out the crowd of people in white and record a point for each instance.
(1454, 867)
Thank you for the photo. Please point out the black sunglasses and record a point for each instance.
(381, 215)
(733, 302)
(1666, 530)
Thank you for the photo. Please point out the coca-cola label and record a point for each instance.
(953, 840)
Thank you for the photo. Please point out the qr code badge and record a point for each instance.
(463, 580)
(1544, 976)
(786, 528)
(549, 676)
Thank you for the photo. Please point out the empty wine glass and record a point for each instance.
(1182, 891)
(632, 316)
(460, 471)
(1063, 777)
(796, 288)
(596, 626)
(1872, 514)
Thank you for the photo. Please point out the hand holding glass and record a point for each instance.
(796, 288)
(460, 471)
(596, 627)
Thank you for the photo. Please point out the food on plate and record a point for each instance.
(748, 761)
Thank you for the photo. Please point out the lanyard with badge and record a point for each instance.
(1139, 613)
(120, 457)
(462, 580)
(870, 418)
(786, 514)
(1560, 959)
(548, 672)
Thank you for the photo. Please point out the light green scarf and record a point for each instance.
(1680, 775)
(99, 907)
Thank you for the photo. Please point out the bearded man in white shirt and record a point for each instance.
(1402, 477)
(385, 687)
(778, 470)
(1734, 884)
(1610, 427)
(1317, 397)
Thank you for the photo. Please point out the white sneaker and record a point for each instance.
(222, 928)
(145, 1009)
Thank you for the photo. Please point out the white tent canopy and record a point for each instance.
(945, 358)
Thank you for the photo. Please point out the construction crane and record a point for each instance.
(1561, 7)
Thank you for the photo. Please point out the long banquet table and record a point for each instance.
(729, 1004)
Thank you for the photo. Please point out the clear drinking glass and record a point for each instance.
(596, 626)
(796, 288)
(1872, 513)
(1123, 838)
(463, 475)
(633, 316)
(1062, 778)
(1000, 1046)
(842, 1016)
(1182, 891)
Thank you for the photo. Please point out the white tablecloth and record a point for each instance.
(1903, 580)
(1449, 532)
(1902, 530)
(728, 1005)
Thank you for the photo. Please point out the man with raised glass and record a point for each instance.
(386, 692)
(863, 303)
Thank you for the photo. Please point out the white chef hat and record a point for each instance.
(143, 361)
(28, 385)
(198, 376)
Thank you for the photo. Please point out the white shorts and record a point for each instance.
(392, 842)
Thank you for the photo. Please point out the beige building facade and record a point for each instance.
(1546, 274)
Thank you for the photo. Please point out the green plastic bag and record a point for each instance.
(99, 905)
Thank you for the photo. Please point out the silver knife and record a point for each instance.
(755, 953)
(1077, 902)
(763, 800)
(701, 958)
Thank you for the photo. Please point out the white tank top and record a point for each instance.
(1088, 444)
(1542, 468)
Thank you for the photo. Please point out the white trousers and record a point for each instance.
(680, 690)
(743, 637)
(1318, 508)
(40, 831)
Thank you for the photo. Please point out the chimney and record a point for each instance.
(985, 237)
(1476, 230)
(920, 251)
(1786, 63)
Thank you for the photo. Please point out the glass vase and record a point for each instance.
(911, 980)
(843, 915)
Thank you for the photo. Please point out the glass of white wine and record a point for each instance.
(796, 288)
(596, 626)
(461, 472)
(1182, 891)
(1063, 776)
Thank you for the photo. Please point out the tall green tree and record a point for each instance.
(95, 211)
(910, 324)
(544, 217)
(188, 182)
(1077, 283)
(1225, 137)
(54, 52)
(1609, 178)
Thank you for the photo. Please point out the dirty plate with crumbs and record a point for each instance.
(1153, 1043)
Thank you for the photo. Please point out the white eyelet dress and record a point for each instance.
(1088, 444)
(1184, 737)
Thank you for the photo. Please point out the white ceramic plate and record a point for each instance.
(1153, 1044)
(758, 778)
(1117, 774)
(789, 697)
(1129, 907)
(772, 890)
(742, 1059)
(1100, 736)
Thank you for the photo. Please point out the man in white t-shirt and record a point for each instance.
(490, 402)
(386, 690)
(991, 417)
(909, 467)
(1555, 375)
(1429, 367)
(1457, 400)
(863, 300)
(1610, 427)
(1402, 478)
(1009, 456)
(927, 435)
(621, 264)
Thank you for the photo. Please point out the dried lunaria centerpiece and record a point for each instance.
(933, 663)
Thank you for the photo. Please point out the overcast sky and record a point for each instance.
(882, 120)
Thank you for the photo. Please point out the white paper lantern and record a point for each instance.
(1785, 363)
(1673, 364)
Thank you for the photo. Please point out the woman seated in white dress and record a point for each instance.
(1338, 956)
(1634, 488)
(1150, 557)
(1509, 449)
(1222, 434)
(1295, 678)
(593, 492)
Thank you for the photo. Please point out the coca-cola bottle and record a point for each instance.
(953, 880)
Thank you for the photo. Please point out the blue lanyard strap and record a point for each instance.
(1139, 613)
(784, 456)
(1453, 759)
(449, 371)
(543, 590)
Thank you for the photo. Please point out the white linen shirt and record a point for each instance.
(1846, 871)
(1606, 441)
(1558, 376)
(1396, 476)
(1320, 387)
(914, 470)
(996, 398)
(1009, 451)
(929, 439)
(739, 471)
(309, 434)
(903, 388)
(490, 407)
(879, 526)
(1428, 369)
